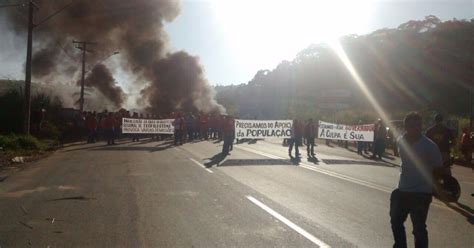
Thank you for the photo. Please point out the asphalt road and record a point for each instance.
(152, 194)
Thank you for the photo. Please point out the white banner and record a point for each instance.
(257, 129)
(346, 132)
(130, 125)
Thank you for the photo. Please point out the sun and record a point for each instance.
(280, 28)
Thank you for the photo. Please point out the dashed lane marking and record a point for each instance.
(201, 165)
(287, 222)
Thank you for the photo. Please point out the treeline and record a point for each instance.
(424, 65)
(47, 120)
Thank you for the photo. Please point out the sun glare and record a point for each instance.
(277, 29)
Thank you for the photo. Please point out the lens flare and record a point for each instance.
(339, 50)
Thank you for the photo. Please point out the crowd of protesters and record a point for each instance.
(305, 133)
(188, 127)
(191, 127)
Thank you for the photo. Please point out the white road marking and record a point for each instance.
(287, 222)
(201, 165)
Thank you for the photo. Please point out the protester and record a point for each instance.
(228, 132)
(296, 138)
(189, 119)
(220, 127)
(444, 138)
(117, 125)
(380, 135)
(197, 126)
(466, 145)
(419, 157)
(135, 136)
(178, 124)
(91, 125)
(109, 128)
(310, 134)
(204, 125)
(361, 145)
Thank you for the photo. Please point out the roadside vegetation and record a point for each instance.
(47, 125)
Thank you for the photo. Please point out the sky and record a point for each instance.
(235, 39)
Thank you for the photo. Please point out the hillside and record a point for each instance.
(424, 65)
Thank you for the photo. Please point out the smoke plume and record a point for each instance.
(44, 62)
(101, 78)
(174, 80)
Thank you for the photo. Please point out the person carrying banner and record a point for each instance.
(420, 157)
(118, 125)
(380, 136)
(361, 145)
(109, 128)
(178, 124)
(296, 138)
(310, 135)
(135, 136)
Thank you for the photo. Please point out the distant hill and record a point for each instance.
(424, 65)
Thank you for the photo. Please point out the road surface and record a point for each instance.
(152, 194)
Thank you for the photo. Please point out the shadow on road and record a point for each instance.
(361, 162)
(89, 147)
(256, 162)
(215, 160)
(160, 147)
(385, 156)
(313, 160)
(248, 141)
(462, 209)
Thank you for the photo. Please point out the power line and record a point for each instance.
(11, 5)
(63, 49)
(53, 14)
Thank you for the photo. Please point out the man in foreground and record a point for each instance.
(419, 156)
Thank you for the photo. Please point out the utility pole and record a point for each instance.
(82, 45)
(29, 50)
(27, 100)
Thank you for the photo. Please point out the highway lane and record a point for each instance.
(154, 194)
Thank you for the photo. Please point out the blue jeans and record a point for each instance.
(294, 142)
(228, 140)
(361, 146)
(416, 205)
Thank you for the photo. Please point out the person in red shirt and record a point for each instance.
(91, 125)
(204, 126)
(197, 126)
(118, 125)
(109, 129)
